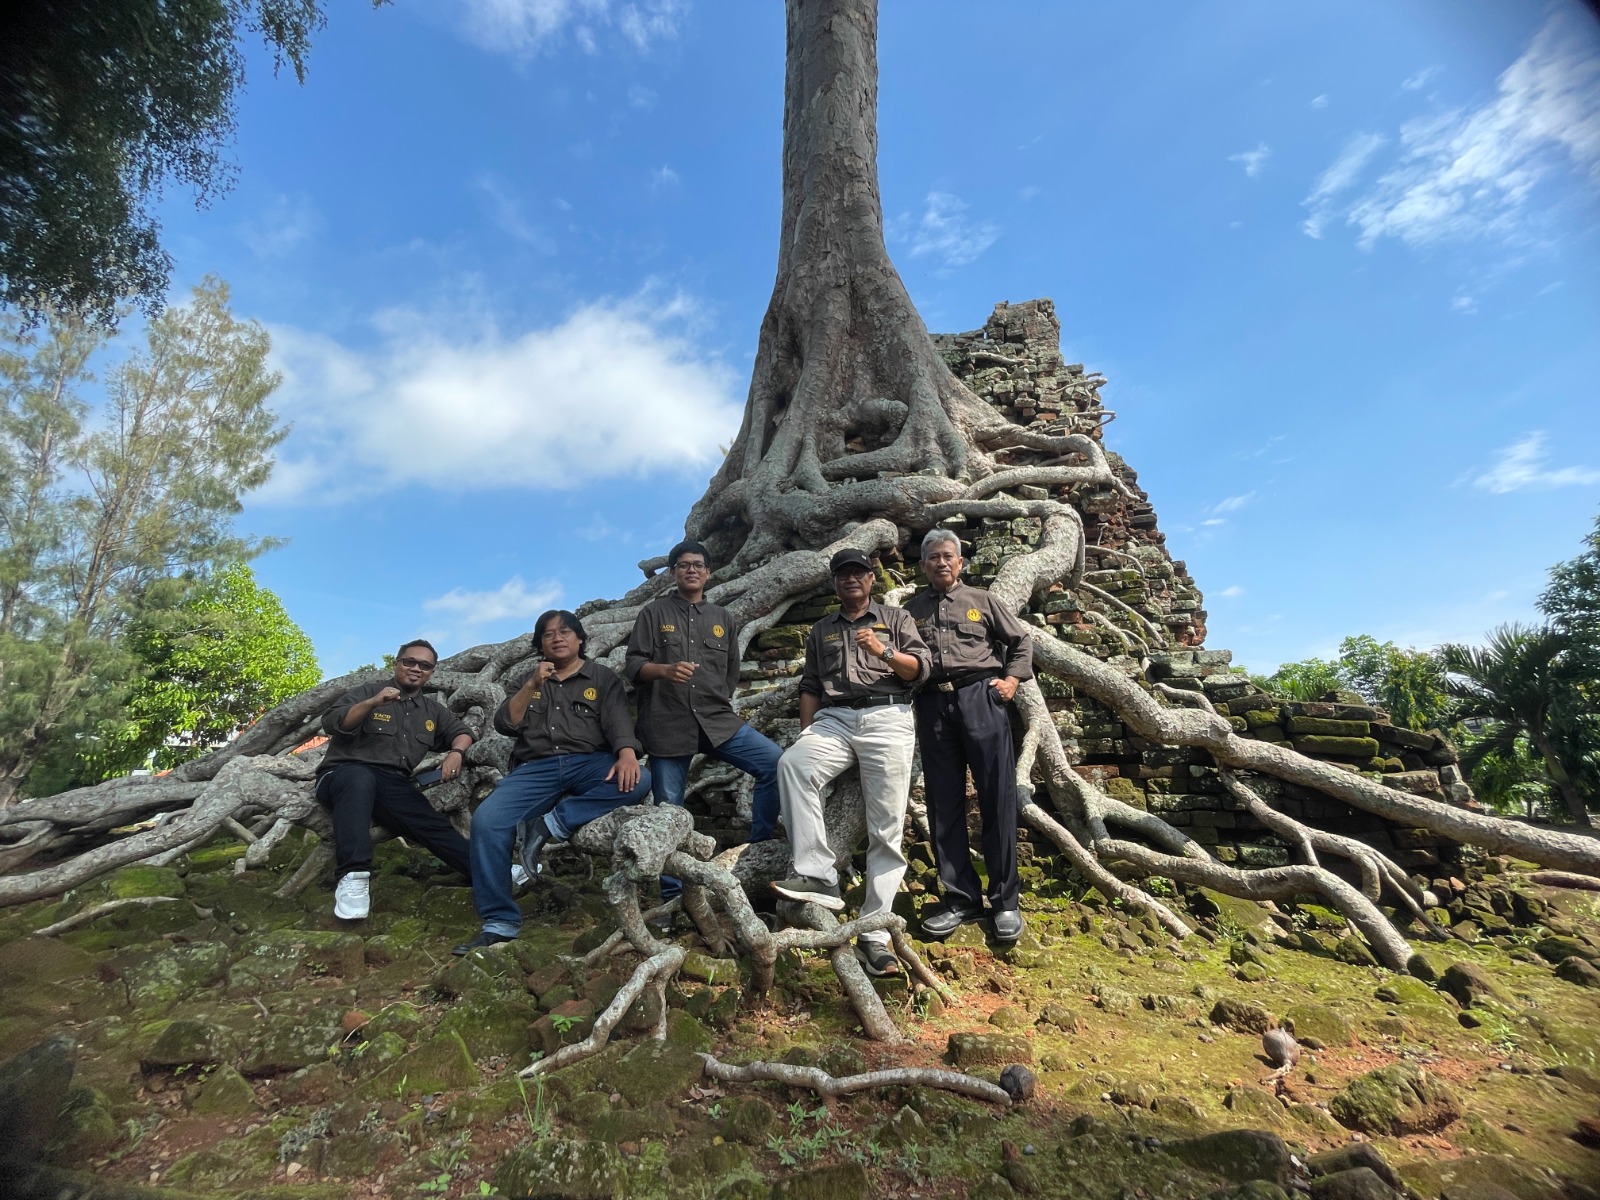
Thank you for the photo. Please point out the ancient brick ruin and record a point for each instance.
(1142, 613)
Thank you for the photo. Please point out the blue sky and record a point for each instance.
(1341, 264)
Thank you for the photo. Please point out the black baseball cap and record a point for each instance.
(849, 558)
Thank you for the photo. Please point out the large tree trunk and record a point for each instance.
(843, 353)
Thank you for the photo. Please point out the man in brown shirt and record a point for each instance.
(576, 758)
(378, 733)
(855, 709)
(981, 652)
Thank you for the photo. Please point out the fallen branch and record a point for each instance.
(830, 1086)
(100, 910)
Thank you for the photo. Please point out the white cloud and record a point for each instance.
(513, 600)
(662, 178)
(653, 21)
(944, 231)
(1463, 302)
(525, 27)
(456, 403)
(1230, 593)
(1213, 522)
(507, 214)
(1233, 503)
(1253, 160)
(1421, 79)
(287, 222)
(1340, 176)
(1470, 172)
(1320, 101)
(642, 97)
(1522, 465)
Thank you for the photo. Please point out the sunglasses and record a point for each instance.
(420, 664)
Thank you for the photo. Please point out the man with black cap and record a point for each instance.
(981, 652)
(855, 709)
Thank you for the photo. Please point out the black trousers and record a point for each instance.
(970, 729)
(357, 795)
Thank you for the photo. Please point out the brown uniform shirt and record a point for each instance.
(396, 735)
(968, 631)
(838, 670)
(673, 715)
(586, 713)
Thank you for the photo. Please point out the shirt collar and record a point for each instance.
(874, 610)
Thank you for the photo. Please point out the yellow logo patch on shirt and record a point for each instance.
(717, 631)
(535, 696)
(428, 725)
(381, 716)
(590, 694)
(880, 625)
(669, 629)
(830, 637)
(974, 615)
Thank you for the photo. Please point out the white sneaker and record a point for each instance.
(351, 899)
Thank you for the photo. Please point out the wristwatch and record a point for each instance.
(888, 654)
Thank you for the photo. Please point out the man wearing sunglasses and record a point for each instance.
(683, 658)
(378, 734)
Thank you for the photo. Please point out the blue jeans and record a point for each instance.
(568, 790)
(751, 752)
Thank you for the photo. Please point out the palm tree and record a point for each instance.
(1517, 686)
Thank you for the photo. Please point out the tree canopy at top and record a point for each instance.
(101, 105)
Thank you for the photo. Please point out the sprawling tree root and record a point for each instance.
(831, 1087)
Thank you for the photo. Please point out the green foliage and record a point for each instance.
(1519, 685)
(1572, 604)
(1506, 774)
(210, 664)
(98, 510)
(104, 104)
(1406, 683)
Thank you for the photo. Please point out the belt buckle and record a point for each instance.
(944, 685)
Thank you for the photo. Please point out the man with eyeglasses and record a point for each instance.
(683, 659)
(981, 652)
(377, 736)
(855, 710)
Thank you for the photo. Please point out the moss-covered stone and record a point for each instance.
(975, 1049)
(189, 1043)
(42, 960)
(1471, 984)
(683, 1030)
(226, 1093)
(158, 979)
(440, 1064)
(846, 1181)
(400, 1018)
(1396, 1100)
(747, 1119)
(85, 1129)
(288, 1042)
(1237, 1154)
(1329, 727)
(656, 1071)
(1320, 1023)
(709, 970)
(1255, 1106)
(1244, 1015)
(321, 952)
(570, 1169)
(140, 880)
(1336, 747)
(494, 1025)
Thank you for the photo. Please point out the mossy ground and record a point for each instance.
(336, 1060)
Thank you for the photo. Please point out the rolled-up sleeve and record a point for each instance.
(336, 714)
(502, 720)
(1018, 639)
(909, 641)
(641, 646)
(447, 728)
(616, 722)
(811, 673)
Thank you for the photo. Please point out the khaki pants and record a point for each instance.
(879, 741)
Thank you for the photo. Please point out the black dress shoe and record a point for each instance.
(948, 918)
(1007, 925)
(482, 942)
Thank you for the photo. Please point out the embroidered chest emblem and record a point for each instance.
(717, 631)
(381, 716)
(590, 694)
(830, 637)
(535, 696)
(974, 615)
(669, 629)
(428, 725)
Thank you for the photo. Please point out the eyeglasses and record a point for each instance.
(419, 664)
(690, 566)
